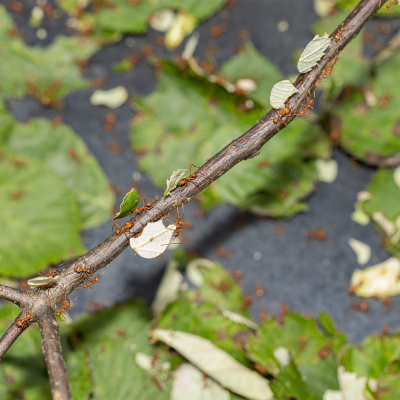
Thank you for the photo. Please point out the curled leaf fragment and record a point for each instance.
(280, 93)
(112, 98)
(154, 240)
(39, 281)
(182, 25)
(129, 203)
(162, 20)
(174, 179)
(327, 170)
(362, 250)
(313, 52)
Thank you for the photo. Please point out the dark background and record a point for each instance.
(306, 274)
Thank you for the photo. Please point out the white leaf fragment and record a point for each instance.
(169, 288)
(190, 46)
(396, 176)
(239, 319)
(112, 98)
(190, 383)
(313, 53)
(362, 250)
(182, 25)
(174, 179)
(217, 364)
(351, 387)
(379, 280)
(162, 20)
(193, 270)
(323, 8)
(39, 281)
(154, 239)
(246, 85)
(386, 225)
(364, 196)
(143, 361)
(327, 170)
(282, 356)
(280, 93)
(359, 215)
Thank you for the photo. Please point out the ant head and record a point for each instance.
(29, 316)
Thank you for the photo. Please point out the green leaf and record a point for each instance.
(48, 74)
(385, 200)
(271, 184)
(39, 217)
(128, 205)
(373, 357)
(174, 179)
(249, 63)
(389, 387)
(370, 134)
(112, 338)
(66, 154)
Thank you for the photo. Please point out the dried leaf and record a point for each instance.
(359, 215)
(190, 383)
(169, 288)
(129, 203)
(154, 239)
(112, 98)
(174, 179)
(217, 364)
(280, 93)
(362, 250)
(313, 53)
(380, 280)
(327, 170)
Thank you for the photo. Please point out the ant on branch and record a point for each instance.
(392, 3)
(21, 323)
(87, 286)
(191, 177)
(65, 305)
(337, 36)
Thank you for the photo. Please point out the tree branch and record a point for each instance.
(14, 295)
(11, 335)
(51, 348)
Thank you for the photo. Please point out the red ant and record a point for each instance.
(87, 286)
(392, 3)
(81, 268)
(23, 321)
(284, 112)
(64, 307)
(191, 177)
(337, 36)
(52, 273)
(329, 71)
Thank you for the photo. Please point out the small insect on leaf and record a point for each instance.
(129, 204)
(174, 179)
(40, 281)
(313, 53)
(280, 93)
(154, 239)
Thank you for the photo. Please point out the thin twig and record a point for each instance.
(14, 295)
(11, 335)
(51, 348)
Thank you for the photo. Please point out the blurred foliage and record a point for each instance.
(300, 355)
(47, 74)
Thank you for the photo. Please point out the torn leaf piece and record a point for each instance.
(313, 53)
(217, 364)
(380, 280)
(112, 98)
(129, 204)
(169, 288)
(327, 170)
(190, 46)
(282, 355)
(154, 239)
(182, 25)
(190, 383)
(239, 319)
(193, 270)
(280, 93)
(162, 20)
(362, 250)
(174, 179)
